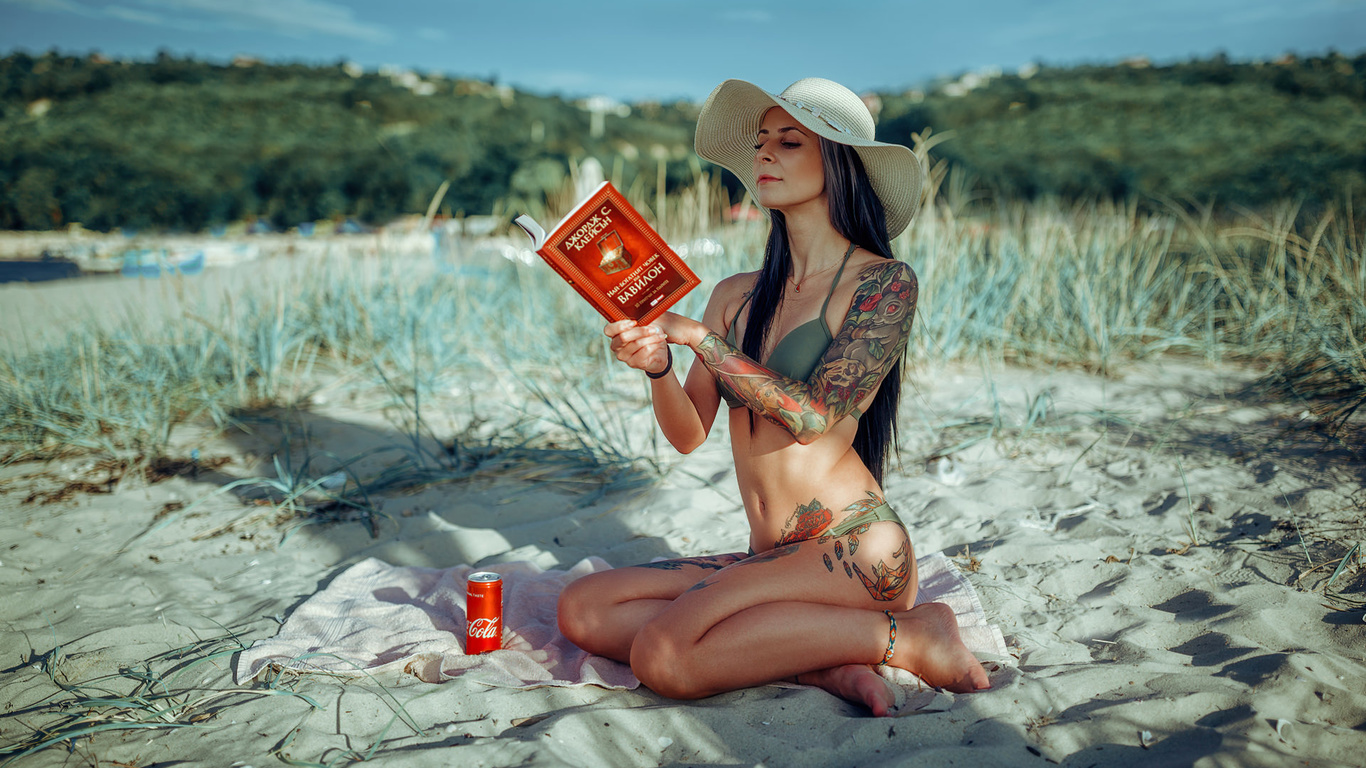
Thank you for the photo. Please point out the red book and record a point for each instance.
(606, 252)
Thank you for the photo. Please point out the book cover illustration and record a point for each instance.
(607, 252)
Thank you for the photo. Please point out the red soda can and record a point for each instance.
(483, 613)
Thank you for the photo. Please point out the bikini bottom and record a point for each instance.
(880, 513)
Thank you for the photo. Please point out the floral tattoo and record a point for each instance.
(869, 343)
(806, 522)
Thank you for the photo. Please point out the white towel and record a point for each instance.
(376, 619)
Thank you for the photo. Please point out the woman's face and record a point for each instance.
(787, 163)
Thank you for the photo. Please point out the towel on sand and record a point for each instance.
(375, 618)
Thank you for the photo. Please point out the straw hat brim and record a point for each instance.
(731, 118)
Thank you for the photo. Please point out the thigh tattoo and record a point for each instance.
(711, 562)
(888, 581)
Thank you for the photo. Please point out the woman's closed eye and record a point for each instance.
(785, 145)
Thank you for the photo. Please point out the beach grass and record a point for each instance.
(1094, 285)
(177, 689)
(157, 694)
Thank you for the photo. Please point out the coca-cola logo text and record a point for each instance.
(484, 629)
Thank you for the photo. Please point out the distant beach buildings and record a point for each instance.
(599, 107)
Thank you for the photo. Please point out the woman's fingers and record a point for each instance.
(630, 348)
(634, 334)
(641, 347)
(649, 359)
(640, 351)
(613, 329)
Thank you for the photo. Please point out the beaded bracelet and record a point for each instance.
(668, 366)
(891, 640)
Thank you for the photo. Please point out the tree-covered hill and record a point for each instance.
(185, 144)
(1209, 130)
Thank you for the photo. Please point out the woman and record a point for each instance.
(827, 587)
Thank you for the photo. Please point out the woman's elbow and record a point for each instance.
(687, 446)
(687, 442)
(812, 429)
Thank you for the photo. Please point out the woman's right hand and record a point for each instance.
(644, 348)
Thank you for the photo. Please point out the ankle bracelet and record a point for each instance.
(891, 640)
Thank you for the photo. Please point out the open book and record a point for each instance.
(606, 252)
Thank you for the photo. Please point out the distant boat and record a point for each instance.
(187, 265)
(35, 271)
(150, 264)
(140, 263)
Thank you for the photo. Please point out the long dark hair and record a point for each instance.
(857, 214)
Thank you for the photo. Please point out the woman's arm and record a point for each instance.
(685, 411)
(873, 336)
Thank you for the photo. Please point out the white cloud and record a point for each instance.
(288, 17)
(293, 18)
(136, 15)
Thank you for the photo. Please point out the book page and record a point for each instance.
(533, 230)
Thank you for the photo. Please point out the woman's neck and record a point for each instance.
(815, 244)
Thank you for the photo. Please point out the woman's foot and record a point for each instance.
(854, 682)
(928, 644)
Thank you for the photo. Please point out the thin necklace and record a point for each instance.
(808, 277)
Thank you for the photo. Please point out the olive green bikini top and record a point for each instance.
(799, 352)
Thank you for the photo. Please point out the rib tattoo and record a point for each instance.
(870, 341)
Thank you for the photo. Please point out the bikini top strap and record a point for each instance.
(732, 330)
(835, 282)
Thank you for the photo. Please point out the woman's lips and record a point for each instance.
(765, 178)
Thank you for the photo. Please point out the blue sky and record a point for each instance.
(667, 49)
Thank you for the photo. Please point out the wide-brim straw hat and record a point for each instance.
(730, 120)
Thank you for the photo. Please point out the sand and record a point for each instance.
(1153, 547)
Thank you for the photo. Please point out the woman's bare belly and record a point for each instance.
(793, 491)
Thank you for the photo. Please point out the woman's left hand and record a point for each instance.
(681, 330)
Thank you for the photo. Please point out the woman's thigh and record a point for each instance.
(871, 567)
(601, 612)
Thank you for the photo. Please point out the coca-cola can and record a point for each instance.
(483, 613)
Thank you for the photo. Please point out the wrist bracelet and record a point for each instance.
(668, 366)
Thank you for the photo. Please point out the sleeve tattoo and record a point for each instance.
(873, 337)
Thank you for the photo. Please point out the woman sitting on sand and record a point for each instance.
(827, 588)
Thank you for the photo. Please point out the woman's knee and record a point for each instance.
(664, 663)
(579, 610)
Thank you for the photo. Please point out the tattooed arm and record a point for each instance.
(872, 338)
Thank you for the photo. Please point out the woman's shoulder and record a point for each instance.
(871, 266)
(734, 289)
(729, 295)
(736, 284)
